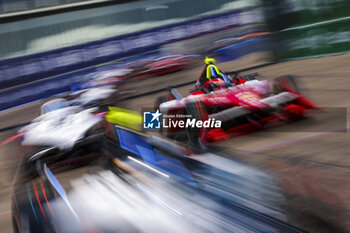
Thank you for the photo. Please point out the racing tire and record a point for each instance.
(158, 102)
(163, 99)
(198, 111)
(286, 83)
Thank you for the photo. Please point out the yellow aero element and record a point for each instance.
(124, 117)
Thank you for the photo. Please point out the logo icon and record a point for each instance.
(151, 120)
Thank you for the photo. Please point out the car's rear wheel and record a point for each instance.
(158, 102)
(198, 111)
(286, 83)
(163, 99)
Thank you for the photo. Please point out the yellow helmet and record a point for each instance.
(209, 60)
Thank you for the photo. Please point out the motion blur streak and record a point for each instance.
(37, 198)
(158, 199)
(255, 34)
(31, 202)
(12, 138)
(149, 167)
(48, 203)
(294, 140)
(6, 213)
(101, 114)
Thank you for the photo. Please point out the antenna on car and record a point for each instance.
(176, 93)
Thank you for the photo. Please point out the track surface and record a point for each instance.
(313, 167)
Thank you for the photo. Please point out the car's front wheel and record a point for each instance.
(198, 112)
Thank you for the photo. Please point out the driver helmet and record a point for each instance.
(209, 60)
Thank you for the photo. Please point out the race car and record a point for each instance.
(100, 97)
(238, 105)
(143, 183)
(159, 66)
(61, 130)
(101, 88)
(100, 78)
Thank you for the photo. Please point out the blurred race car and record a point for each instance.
(60, 128)
(108, 77)
(142, 183)
(162, 65)
(100, 89)
(100, 97)
(233, 40)
(238, 105)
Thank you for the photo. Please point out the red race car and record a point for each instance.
(240, 106)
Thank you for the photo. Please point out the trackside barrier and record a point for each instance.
(16, 96)
(45, 88)
(21, 70)
(24, 79)
(26, 93)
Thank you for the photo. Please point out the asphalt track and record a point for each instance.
(309, 159)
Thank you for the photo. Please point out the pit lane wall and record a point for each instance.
(311, 28)
(29, 78)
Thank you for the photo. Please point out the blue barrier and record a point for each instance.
(40, 89)
(62, 83)
(16, 96)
